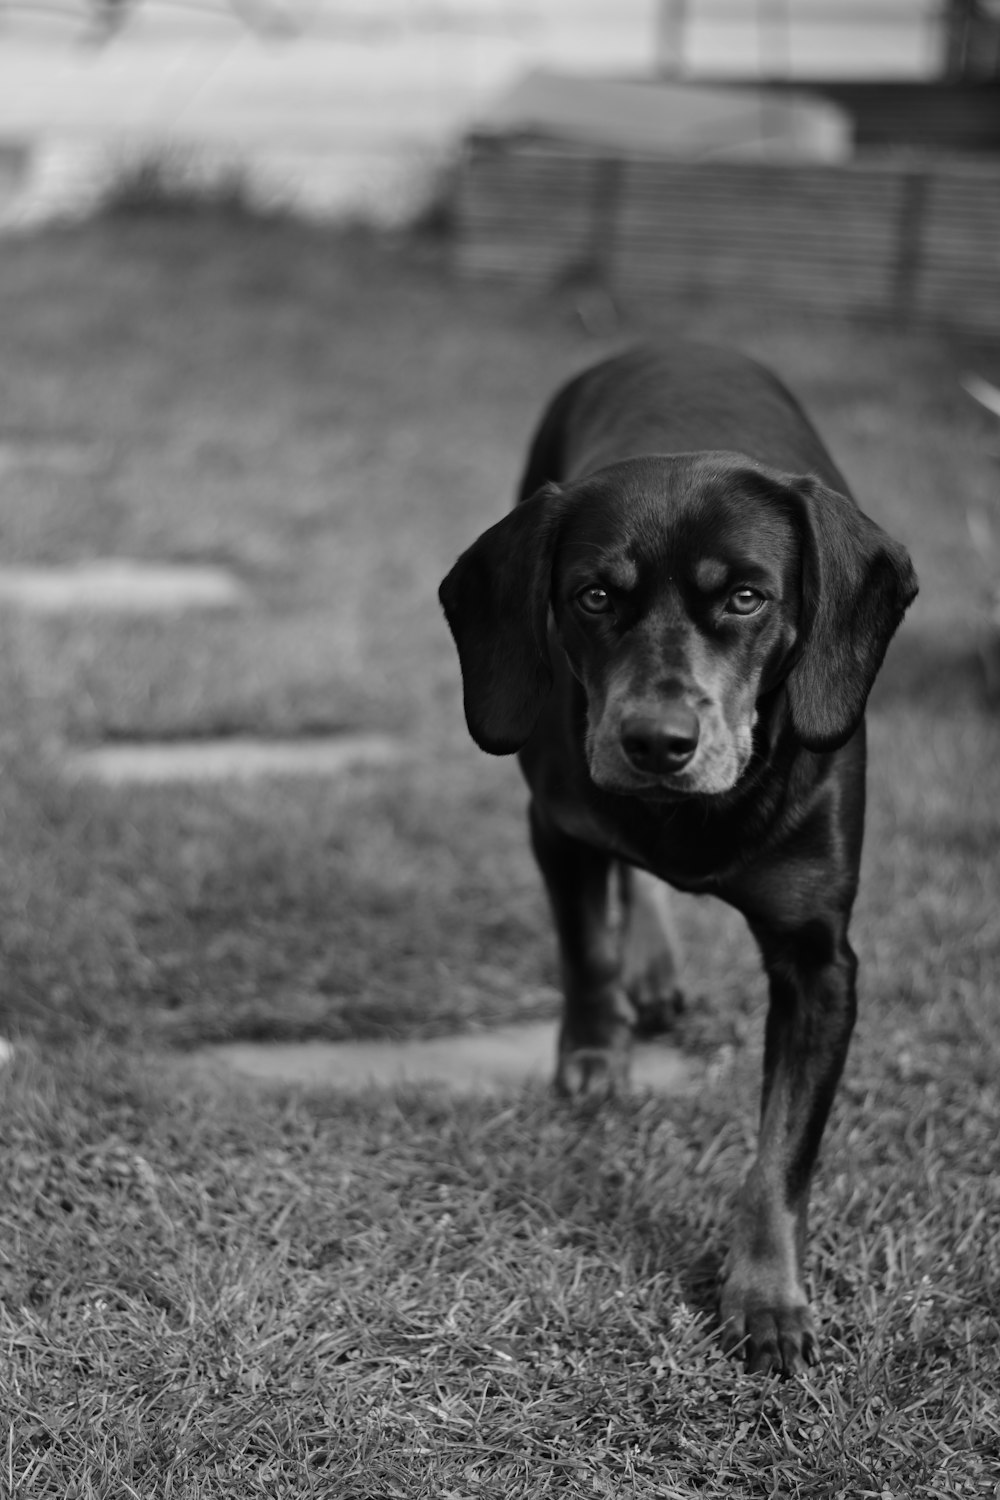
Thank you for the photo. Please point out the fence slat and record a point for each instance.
(914, 237)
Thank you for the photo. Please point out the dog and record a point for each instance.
(677, 628)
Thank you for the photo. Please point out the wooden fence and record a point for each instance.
(910, 237)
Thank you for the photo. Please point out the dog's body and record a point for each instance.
(678, 627)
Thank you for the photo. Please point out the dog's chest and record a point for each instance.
(660, 839)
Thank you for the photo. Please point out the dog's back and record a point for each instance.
(687, 398)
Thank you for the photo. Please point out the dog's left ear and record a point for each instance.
(856, 585)
(496, 600)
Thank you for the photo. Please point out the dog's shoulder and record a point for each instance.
(680, 396)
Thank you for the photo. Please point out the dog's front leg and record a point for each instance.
(763, 1305)
(597, 1016)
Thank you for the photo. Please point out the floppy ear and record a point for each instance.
(856, 585)
(496, 600)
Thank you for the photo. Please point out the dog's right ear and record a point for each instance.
(496, 600)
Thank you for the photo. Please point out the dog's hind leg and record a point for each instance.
(651, 952)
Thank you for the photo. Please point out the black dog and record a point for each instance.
(678, 627)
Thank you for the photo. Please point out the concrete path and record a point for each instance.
(118, 586)
(56, 455)
(476, 1062)
(234, 758)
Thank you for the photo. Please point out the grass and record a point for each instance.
(209, 1291)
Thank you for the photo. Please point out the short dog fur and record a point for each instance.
(677, 627)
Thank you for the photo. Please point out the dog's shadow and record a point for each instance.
(700, 1280)
(599, 1186)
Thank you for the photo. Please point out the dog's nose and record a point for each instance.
(661, 743)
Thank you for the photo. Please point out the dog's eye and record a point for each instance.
(595, 600)
(744, 602)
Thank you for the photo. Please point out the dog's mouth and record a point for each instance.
(660, 794)
(619, 776)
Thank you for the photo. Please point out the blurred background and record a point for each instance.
(284, 286)
(356, 107)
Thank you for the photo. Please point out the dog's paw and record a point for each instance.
(658, 1001)
(773, 1335)
(595, 1043)
(592, 1072)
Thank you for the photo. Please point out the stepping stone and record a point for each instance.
(231, 759)
(59, 455)
(117, 585)
(982, 391)
(478, 1062)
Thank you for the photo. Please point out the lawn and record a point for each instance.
(209, 1291)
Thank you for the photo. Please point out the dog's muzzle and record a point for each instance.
(662, 743)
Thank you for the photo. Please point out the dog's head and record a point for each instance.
(683, 590)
